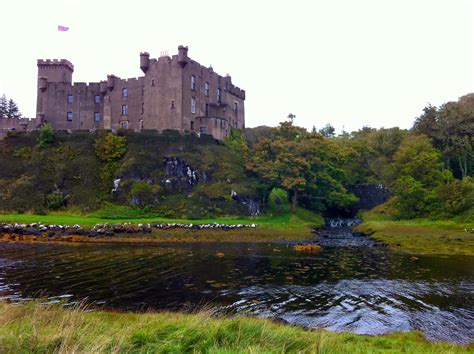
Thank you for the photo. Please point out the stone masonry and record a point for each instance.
(174, 93)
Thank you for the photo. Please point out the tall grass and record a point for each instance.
(420, 236)
(34, 328)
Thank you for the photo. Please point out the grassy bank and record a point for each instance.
(288, 226)
(39, 329)
(421, 236)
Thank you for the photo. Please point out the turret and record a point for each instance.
(144, 61)
(42, 83)
(103, 87)
(110, 82)
(183, 55)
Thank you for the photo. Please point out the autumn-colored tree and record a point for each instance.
(302, 163)
(110, 147)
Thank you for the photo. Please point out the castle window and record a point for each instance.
(96, 117)
(141, 124)
(236, 107)
(218, 95)
(203, 130)
(70, 98)
(97, 99)
(69, 116)
(172, 104)
(207, 109)
(143, 107)
(193, 105)
(152, 82)
(207, 89)
(124, 124)
(124, 110)
(191, 125)
(193, 82)
(125, 92)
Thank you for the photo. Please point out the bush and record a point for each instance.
(46, 137)
(55, 200)
(144, 194)
(411, 198)
(110, 147)
(457, 196)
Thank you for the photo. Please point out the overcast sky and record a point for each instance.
(350, 63)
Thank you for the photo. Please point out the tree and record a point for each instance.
(369, 153)
(451, 127)
(328, 131)
(306, 165)
(416, 157)
(3, 107)
(12, 109)
(417, 174)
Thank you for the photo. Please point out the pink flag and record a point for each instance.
(63, 28)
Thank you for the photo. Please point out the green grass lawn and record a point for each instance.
(421, 236)
(301, 219)
(32, 328)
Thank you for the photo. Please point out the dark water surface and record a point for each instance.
(364, 290)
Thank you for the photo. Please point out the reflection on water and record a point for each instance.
(367, 291)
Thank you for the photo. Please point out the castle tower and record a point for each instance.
(56, 71)
(144, 61)
(183, 55)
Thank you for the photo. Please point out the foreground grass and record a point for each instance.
(421, 236)
(39, 329)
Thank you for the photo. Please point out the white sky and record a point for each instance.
(350, 63)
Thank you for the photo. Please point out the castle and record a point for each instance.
(174, 93)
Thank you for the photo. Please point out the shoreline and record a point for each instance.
(421, 236)
(157, 236)
(32, 326)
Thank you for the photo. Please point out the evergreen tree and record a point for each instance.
(3, 107)
(12, 109)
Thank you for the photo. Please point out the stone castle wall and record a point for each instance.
(164, 98)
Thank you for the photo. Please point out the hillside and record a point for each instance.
(169, 174)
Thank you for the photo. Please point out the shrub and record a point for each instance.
(457, 196)
(144, 194)
(55, 200)
(110, 147)
(411, 198)
(23, 152)
(46, 137)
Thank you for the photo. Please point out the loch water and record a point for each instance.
(365, 290)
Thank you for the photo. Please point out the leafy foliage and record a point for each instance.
(46, 136)
(110, 147)
(451, 127)
(304, 164)
(55, 200)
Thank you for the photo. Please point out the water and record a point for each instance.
(358, 289)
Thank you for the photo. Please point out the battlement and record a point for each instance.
(85, 85)
(234, 90)
(55, 62)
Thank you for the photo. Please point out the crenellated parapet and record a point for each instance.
(237, 92)
(55, 63)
